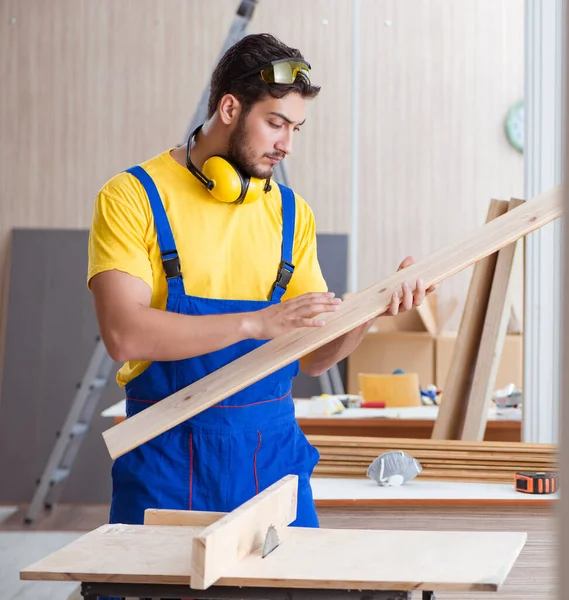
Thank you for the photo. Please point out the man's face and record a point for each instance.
(263, 137)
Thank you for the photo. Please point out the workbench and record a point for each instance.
(406, 422)
(503, 425)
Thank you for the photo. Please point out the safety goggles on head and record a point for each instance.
(284, 70)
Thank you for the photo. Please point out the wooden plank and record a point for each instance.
(194, 518)
(370, 453)
(402, 443)
(242, 532)
(448, 423)
(521, 464)
(491, 343)
(308, 558)
(356, 310)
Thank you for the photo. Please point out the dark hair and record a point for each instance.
(250, 52)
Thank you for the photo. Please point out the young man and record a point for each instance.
(196, 257)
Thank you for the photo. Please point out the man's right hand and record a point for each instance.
(301, 311)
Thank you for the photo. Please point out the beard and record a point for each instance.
(240, 151)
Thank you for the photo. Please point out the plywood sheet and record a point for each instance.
(309, 558)
(356, 310)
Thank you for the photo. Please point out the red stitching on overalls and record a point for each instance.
(254, 403)
(242, 406)
(191, 466)
(140, 400)
(255, 463)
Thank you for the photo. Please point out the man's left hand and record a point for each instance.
(408, 299)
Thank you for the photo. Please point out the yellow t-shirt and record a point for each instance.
(226, 251)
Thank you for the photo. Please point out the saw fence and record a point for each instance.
(446, 460)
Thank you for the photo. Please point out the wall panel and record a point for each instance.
(437, 79)
(320, 164)
(91, 87)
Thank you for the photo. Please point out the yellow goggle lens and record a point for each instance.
(285, 72)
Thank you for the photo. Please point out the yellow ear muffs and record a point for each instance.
(227, 184)
(224, 180)
(255, 189)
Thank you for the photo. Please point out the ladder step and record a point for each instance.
(59, 475)
(98, 383)
(79, 429)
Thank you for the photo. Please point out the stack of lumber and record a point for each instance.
(442, 460)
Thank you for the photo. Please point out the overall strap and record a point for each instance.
(170, 258)
(286, 268)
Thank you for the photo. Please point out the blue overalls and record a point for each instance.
(226, 454)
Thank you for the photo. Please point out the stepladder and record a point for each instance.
(73, 431)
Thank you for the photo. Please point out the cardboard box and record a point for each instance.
(511, 363)
(383, 352)
(400, 342)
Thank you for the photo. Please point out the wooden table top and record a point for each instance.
(346, 492)
(306, 558)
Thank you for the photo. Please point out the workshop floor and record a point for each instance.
(21, 545)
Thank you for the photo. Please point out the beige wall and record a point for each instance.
(90, 87)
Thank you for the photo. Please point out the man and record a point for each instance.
(196, 257)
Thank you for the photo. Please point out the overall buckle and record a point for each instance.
(284, 275)
(172, 266)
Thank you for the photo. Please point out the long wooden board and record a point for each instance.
(308, 558)
(355, 310)
(442, 445)
(242, 531)
(491, 344)
(448, 424)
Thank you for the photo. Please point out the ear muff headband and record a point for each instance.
(224, 180)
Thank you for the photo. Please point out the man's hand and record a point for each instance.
(407, 299)
(323, 358)
(301, 311)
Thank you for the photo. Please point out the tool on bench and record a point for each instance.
(393, 469)
(536, 482)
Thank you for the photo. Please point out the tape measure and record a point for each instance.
(536, 482)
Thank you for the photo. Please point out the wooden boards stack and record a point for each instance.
(443, 460)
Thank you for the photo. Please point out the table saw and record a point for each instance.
(251, 553)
